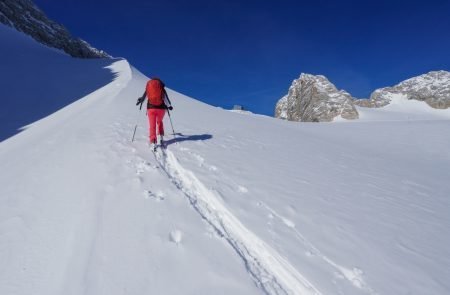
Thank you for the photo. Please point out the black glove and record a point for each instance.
(170, 108)
(140, 100)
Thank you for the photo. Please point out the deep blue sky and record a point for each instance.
(248, 52)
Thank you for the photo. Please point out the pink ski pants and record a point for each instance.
(155, 118)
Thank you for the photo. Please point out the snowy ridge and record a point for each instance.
(105, 94)
(269, 270)
(53, 80)
(52, 254)
(25, 16)
(432, 87)
(434, 80)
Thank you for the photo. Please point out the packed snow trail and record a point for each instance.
(270, 271)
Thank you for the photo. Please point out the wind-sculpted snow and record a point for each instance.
(354, 276)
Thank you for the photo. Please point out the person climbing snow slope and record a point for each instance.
(157, 103)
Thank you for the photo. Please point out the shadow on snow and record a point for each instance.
(179, 137)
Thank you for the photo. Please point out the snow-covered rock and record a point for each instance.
(25, 16)
(313, 98)
(432, 87)
(379, 102)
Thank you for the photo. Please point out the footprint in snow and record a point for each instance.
(288, 222)
(242, 189)
(176, 236)
(212, 233)
(291, 210)
(158, 196)
(200, 160)
(143, 166)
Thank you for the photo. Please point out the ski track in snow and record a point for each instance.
(353, 275)
(270, 271)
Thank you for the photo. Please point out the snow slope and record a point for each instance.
(36, 81)
(400, 108)
(237, 204)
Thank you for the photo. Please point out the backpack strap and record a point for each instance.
(143, 99)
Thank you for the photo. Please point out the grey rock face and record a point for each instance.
(313, 98)
(26, 17)
(433, 88)
(375, 101)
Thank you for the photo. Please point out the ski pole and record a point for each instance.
(137, 121)
(170, 118)
(135, 127)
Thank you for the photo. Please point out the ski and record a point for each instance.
(159, 146)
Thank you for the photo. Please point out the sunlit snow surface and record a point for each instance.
(402, 109)
(237, 204)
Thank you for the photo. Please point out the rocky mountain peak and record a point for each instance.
(313, 98)
(432, 87)
(25, 16)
